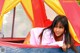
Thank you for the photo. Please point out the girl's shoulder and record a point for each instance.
(47, 30)
(36, 31)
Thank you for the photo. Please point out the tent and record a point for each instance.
(32, 7)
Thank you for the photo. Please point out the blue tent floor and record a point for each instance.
(6, 49)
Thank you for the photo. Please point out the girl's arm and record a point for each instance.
(32, 38)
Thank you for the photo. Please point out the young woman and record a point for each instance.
(56, 34)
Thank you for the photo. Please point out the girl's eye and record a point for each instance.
(61, 27)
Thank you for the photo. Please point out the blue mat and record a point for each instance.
(6, 49)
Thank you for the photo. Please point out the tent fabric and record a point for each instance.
(1, 6)
(72, 11)
(40, 18)
(56, 6)
(8, 5)
(27, 5)
(1, 21)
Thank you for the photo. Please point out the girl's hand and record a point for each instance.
(65, 46)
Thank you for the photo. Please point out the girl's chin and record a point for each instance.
(58, 35)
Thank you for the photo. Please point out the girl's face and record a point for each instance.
(58, 29)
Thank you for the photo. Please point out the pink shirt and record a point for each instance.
(47, 38)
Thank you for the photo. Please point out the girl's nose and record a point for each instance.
(57, 29)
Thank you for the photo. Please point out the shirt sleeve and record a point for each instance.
(32, 38)
(59, 43)
(46, 39)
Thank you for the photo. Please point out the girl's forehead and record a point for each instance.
(59, 24)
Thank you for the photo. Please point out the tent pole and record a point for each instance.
(13, 22)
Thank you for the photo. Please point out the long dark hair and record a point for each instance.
(64, 22)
